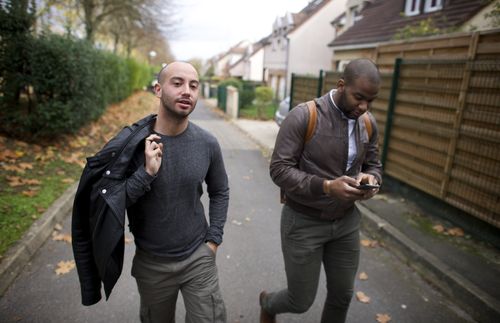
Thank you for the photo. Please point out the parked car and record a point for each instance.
(282, 111)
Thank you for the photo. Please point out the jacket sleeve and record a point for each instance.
(218, 193)
(284, 167)
(90, 281)
(372, 164)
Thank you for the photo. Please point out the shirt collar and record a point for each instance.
(335, 105)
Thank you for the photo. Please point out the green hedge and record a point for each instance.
(65, 84)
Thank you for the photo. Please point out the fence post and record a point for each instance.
(232, 105)
(291, 91)
(390, 109)
(320, 84)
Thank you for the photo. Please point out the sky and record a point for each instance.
(206, 28)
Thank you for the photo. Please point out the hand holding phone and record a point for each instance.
(367, 186)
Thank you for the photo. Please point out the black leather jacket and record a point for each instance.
(98, 219)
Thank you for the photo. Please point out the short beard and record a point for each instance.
(170, 110)
(342, 104)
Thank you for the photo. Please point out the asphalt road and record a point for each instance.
(249, 260)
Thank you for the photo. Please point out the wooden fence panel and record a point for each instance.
(446, 132)
(305, 88)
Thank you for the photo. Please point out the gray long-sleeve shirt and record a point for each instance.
(166, 214)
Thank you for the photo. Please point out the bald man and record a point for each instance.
(321, 180)
(176, 247)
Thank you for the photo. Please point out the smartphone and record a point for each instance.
(367, 186)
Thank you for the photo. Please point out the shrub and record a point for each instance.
(247, 94)
(232, 82)
(263, 98)
(65, 84)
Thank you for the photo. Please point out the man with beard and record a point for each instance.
(175, 246)
(321, 178)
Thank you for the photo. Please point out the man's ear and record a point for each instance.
(157, 89)
(340, 85)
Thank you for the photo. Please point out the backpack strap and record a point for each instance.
(368, 125)
(311, 124)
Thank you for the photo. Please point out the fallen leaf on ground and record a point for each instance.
(68, 180)
(456, 232)
(363, 276)
(64, 267)
(13, 168)
(369, 243)
(381, 197)
(29, 193)
(14, 181)
(236, 222)
(247, 178)
(438, 228)
(7, 154)
(26, 165)
(383, 318)
(362, 297)
(32, 182)
(61, 237)
(58, 227)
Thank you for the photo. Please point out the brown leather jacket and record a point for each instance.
(300, 169)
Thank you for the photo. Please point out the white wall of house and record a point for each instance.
(221, 64)
(238, 70)
(309, 52)
(276, 54)
(254, 66)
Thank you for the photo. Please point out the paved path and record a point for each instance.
(249, 260)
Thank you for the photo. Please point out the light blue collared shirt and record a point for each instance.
(353, 149)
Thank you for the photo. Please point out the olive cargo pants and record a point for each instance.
(306, 243)
(159, 282)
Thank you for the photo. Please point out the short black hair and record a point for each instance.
(361, 67)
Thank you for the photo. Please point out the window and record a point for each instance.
(412, 7)
(433, 5)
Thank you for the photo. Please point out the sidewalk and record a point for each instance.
(464, 269)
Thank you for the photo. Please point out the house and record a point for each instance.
(378, 21)
(224, 61)
(250, 66)
(298, 44)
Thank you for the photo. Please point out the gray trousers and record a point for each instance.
(306, 243)
(159, 282)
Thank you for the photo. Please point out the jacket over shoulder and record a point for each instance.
(98, 217)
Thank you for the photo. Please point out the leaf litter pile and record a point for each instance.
(35, 174)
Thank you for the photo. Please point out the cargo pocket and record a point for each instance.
(219, 308)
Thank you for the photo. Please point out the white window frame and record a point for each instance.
(408, 5)
(430, 8)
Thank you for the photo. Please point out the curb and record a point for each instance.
(20, 253)
(482, 306)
